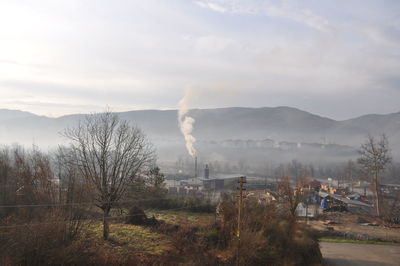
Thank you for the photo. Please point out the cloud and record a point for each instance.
(212, 6)
(141, 54)
(387, 35)
(304, 16)
(283, 10)
(212, 43)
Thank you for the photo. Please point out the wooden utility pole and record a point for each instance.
(241, 188)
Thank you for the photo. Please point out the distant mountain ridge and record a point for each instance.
(7, 114)
(241, 123)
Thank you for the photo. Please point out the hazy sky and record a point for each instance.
(336, 58)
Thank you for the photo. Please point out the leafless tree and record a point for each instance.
(72, 186)
(8, 184)
(295, 168)
(350, 173)
(374, 157)
(288, 197)
(110, 154)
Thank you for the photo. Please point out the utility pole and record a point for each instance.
(241, 188)
(306, 201)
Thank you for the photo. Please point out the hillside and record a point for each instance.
(6, 114)
(277, 123)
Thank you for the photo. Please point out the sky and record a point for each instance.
(339, 59)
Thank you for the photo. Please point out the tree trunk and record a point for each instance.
(377, 194)
(106, 228)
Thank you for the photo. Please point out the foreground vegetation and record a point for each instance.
(270, 237)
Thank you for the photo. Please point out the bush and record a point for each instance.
(192, 204)
(270, 235)
(214, 238)
(51, 241)
(137, 216)
(188, 249)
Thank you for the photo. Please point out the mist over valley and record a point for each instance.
(254, 135)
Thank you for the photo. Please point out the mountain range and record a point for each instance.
(279, 124)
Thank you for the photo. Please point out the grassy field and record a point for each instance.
(181, 217)
(140, 240)
(129, 238)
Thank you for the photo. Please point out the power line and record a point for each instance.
(79, 203)
(241, 188)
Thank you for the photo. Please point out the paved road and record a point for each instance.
(345, 254)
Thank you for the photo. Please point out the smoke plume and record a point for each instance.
(186, 123)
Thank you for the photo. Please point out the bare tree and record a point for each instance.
(290, 197)
(374, 157)
(110, 154)
(295, 168)
(350, 173)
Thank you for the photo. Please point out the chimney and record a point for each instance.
(195, 166)
(206, 172)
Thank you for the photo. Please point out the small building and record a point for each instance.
(213, 184)
(304, 210)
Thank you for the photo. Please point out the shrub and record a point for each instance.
(270, 235)
(213, 238)
(51, 241)
(137, 216)
(193, 204)
(188, 249)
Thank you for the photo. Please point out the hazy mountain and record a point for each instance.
(279, 124)
(376, 124)
(6, 114)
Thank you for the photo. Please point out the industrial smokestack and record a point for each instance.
(195, 166)
(206, 172)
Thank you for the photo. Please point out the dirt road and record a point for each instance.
(344, 254)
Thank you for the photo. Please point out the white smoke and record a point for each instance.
(186, 123)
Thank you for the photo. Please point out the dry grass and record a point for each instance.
(181, 217)
(132, 239)
(140, 241)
